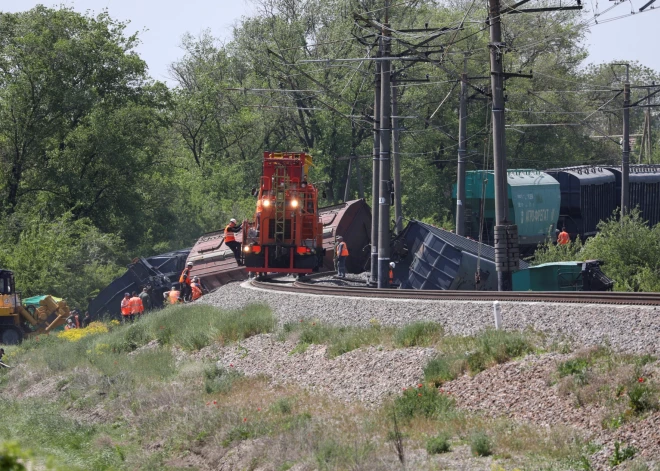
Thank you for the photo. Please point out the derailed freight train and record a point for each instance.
(430, 258)
(577, 198)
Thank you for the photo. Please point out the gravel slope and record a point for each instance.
(367, 374)
(634, 329)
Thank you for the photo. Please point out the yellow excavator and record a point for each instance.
(16, 322)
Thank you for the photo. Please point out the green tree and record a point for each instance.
(630, 250)
(79, 119)
(65, 257)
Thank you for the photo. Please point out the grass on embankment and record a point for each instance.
(90, 404)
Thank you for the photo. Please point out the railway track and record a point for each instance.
(580, 297)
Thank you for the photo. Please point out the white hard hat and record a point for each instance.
(392, 264)
(232, 220)
(190, 264)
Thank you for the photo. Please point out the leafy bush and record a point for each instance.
(444, 368)
(219, 379)
(339, 340)
(418, 334)
(74, 335)
(12, 457)
(619, 455)
(437, 445)
(576, 367)
(423, 401)
(283, 406)
(65, 257)
(642, 397)
(481, 444)
(549, 251)
(630, 250)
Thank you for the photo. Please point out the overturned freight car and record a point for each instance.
(157, 273)
(427, 257)
(215, 265)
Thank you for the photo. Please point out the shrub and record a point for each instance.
(501, 346)
(619, 455)
(480, 444)
(74, 335)
(12, 457)
(642, 397)
(418, 334)
(339, 340)
(477, 361)
(424, 401)
(444, 368)
(219, 379)
(437, 445)
(576, 367)
(283, 405)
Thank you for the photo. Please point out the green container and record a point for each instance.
(533, 198)
(557, 276)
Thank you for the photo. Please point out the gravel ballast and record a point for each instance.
(633, 329)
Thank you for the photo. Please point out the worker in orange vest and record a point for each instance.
(391, 277)
(342, 253)
(230, 239)
(137, 308)
(563, 238)
(196, 289)
(184, 280)
(173, 296)
(126, 308)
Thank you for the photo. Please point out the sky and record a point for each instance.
(162, 23)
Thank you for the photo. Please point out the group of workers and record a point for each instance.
(74, 322)
(134, 305)
(191, 288)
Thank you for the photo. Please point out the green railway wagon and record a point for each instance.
(534, 198)
(556, 276)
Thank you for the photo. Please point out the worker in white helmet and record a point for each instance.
(391, 277)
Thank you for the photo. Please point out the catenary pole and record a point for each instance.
(396, 161)
(375, 180)
(649, 148)
(460, 173)
(506, 236)
(359, 178)
(385, 129)
(347, 189)
(625, 156)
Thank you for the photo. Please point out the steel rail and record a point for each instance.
(580, 297)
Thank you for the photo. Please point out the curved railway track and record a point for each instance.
(580, 297)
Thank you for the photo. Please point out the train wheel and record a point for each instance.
(11, 336)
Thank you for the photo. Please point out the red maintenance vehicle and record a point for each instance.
(286, 235)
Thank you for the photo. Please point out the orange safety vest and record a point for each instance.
(136, 305)
(563, 238)
(342, 250)
(229, 235)
(196, 292)
(125, 307)
(185, 276)
(391, 276)
(174, 296)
